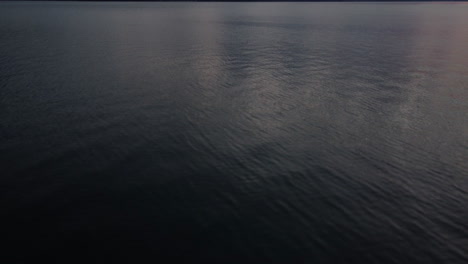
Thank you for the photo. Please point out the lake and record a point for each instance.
(234, 132)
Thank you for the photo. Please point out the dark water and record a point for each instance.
(234, 132)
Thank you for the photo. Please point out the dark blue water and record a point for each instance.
(234, 132)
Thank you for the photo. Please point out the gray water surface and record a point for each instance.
(234, 132)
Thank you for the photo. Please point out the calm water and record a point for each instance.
(234, 132)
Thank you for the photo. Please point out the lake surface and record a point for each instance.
(234, 132)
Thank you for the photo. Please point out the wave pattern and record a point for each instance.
(235, 132)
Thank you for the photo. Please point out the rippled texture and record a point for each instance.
(234, 132)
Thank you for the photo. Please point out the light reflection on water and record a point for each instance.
(241, 132)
